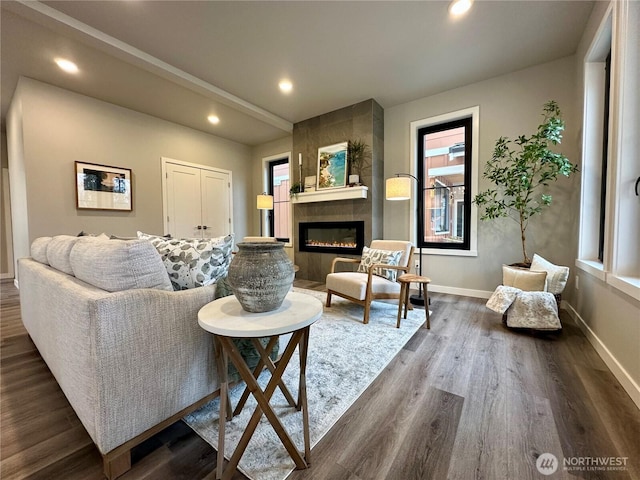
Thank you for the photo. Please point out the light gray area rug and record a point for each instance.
(344, 357)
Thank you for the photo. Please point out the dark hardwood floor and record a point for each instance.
(468, 399)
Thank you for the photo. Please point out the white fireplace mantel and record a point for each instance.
(331, 194)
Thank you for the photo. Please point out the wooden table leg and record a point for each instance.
(221, 362)
(401, 301)
(265, 361)
(426, 304)
(302, 393)
(263, 403)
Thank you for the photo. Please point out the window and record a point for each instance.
(609, 209)
(280, 216)
(445, 151)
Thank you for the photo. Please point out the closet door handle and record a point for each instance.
(204, 227)
(199, 227)
(636, 187)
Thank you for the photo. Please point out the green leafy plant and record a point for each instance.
(295, 189)
(359, 156)
(520, 168)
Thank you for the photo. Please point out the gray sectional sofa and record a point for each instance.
(125, 348)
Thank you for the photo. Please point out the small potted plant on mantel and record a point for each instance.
(358, 156)
(519, 169)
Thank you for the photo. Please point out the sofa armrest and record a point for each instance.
(152, 359)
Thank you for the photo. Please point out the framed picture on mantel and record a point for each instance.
(100, 187)
(332, 166)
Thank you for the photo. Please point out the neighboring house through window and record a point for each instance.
(278, 186)
(446, 164)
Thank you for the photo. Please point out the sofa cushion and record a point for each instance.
(557, 275)
(58, 251)
(39, 249)
(523, 278)
(116, 265)
(193, 262)
(371, 256)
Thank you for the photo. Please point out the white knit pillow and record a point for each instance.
(557, 275)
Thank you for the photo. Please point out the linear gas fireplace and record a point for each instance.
(332, 237)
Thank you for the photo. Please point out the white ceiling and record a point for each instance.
(183, 60)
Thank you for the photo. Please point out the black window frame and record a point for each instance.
(272, 215)
(467, 123)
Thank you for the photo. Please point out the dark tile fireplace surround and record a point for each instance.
(339, 222)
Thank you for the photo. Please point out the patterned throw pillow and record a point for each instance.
(193, 262)
(371, 256)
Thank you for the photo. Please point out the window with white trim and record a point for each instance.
(609, 204)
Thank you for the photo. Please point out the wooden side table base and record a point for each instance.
(405, 284)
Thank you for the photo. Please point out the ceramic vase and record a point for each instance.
(261, 275)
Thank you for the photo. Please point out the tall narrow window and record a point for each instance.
(280, 216)
(444, 170)
(605, 156)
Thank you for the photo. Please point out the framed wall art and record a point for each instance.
(332, 166)
(100, 187)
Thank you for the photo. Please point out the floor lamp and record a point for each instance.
(399, 188)
(264, 202)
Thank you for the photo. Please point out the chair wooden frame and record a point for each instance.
(369, 296)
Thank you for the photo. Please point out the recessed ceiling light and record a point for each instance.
(458, 7)
(67, 65)
(213, 119)
(285, 86)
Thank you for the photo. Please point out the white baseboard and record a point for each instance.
(463, 292)
(15, 282)
(628, 383)
(4, 276)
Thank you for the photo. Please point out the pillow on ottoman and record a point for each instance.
(557, 275)
(193, 262)
(523, 278)
(116, 265)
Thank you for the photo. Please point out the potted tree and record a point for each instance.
(520, 169)
(358, 156)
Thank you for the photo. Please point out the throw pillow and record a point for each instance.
(523, 278)
(118, 265)
(557, 275)
(372, 256)
(193, 262)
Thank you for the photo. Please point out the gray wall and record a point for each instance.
(59, 127)
(510, 105)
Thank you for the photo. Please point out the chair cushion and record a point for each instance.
(117, 265)
(557, 275)
(523, 278)
(371, 256)
(193, 262)
(354, 284)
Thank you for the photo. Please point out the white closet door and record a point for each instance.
(183, 194)
(216, 203)
(196, 197)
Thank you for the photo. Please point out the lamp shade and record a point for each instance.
(264, 202)
(398, 188)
